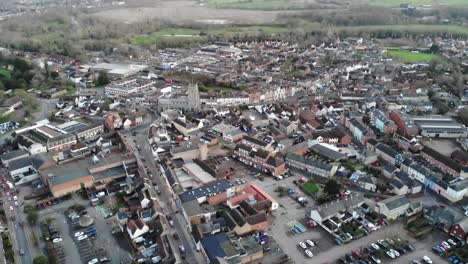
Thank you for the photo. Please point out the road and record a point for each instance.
(19, 237)
(167, 197)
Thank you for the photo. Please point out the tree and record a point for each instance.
(102, 79)
(332, 187)
(54, 75)
(32, 217)
(463, 115)
(40, 260)
(434, 49)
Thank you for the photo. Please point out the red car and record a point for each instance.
(356, 254)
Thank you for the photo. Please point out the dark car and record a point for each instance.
(349, 257)
(410, 247)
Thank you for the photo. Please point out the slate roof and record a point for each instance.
(210, 189)
(396, 202)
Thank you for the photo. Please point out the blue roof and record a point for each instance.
(212, 245)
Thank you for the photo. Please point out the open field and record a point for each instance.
(186, 11)
(257, 5)
(190, 35)
(417, 2)
(408, 56)
(5, 73)
(449, 29)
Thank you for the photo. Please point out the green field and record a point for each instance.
(190, 35)
(408, 56)
(394, 3)
(412, 28)
(5, 73)
(256, 5)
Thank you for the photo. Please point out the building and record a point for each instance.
(259, 159)
(388, 154)
(382, 122)
(97, 171)
(438, 126)
(118, 70)
(44, 135)
(460, 230)
(12, 155)
(359, 131)
(405, 123)
(25, 170)
(214, 193)
(396, 206)
(444, 163)
(332, 136)
(310, 166)
(256, 197)
(9, 105)
(221, 249)
(183, 99)
(84, 129)
(129, 87)
(228, 132)
(331, 209)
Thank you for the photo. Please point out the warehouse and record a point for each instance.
(440, 127)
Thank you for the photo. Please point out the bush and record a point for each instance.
(310, 188)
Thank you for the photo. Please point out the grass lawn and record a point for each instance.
(5, 73)
(310, 187)
(256, 5)
(408, 56)
(417, 2)
(453, 29)
(6, 118)
(170, 36)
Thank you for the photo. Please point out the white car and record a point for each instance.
(376, 259)
(427, 260)
(390, 254)
(15, 198)
(57, 240)
(375, 246)
(310, 243)
(396, 253)
(302, 245)
(452, 242)
(82, 237)
(93, 261)
(16, 204)
(309, 253)
(11, 208)
(78, 234)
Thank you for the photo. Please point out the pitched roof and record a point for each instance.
(213, 188)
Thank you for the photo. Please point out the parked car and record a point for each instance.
(310, 243)
(427, 260)
(376, 259)
(302, 245)
(390, 254)
(309, 253)
(57, 240)
(82, 237)
(452, 242)
(375, 246)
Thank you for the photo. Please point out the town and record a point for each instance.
(238, 152)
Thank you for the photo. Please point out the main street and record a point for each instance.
(167, 199)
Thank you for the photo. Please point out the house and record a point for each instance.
(257, 197)
(460, 156)
(403, 184)
(443, 217)
(245, 219)
(228, 132)
(187, 128)
(9, 105)
(310, 166)
(136, 228)
(382, 122)
(396, 206)
(444, 163)
(364, 180)
(388, 154)
(328, 210)
(259, 159)
(405, 123)
(327, 151)
(332, 136)
(256, 143)
(145, 199)
(460, 230)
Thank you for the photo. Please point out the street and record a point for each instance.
(167, 198)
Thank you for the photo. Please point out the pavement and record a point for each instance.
(167, 199)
